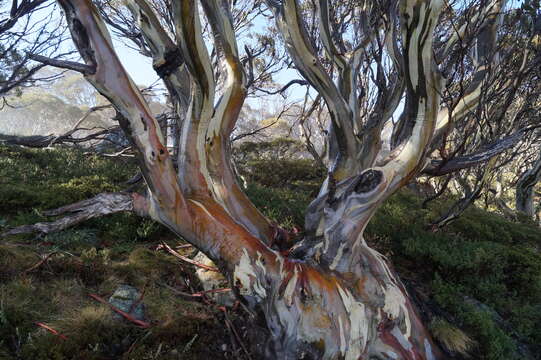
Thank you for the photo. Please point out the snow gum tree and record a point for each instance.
(329, 296)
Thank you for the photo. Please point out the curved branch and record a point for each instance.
(486, 43)
(423, 88)
(64, 64)
(166, 56)
(443, 167)
(206, 163)
(525, 187)
(344, 143)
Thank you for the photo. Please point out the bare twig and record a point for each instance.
(237, 336)
(41, 262)
(140, 323)
(51, 330)
(186, 259)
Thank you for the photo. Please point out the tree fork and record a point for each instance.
(344, 304)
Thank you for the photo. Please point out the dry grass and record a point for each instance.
(454, 339)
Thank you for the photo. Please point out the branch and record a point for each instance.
(443, 167)
(344, 143)
(285, 87)
(423, 88)
(34, 141)
(100, 205)
(65, 64)
(166, 55)
(471, 195)
(486, 43)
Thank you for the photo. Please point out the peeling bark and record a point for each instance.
(332, 296)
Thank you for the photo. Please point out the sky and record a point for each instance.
(137, 65)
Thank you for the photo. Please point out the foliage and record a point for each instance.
(276, 164)
(482, 257)
(283, 206)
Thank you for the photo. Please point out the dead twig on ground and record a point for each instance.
(51, 330)
(229, 323)
(186, 259)
(43, 260)
(140, 323)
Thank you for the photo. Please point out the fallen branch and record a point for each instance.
(140, 323)
(44, 141)
(51, 330)
(212, 291)
(100, 205)
(186, 259)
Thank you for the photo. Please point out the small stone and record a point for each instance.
(123, 299)
(224, 347)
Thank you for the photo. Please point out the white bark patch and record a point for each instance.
(341, 331)
(413, 50)
(428, 351)
(290, 288)
(395, 304)
(358, 325)
(245, 273)
(338, 256)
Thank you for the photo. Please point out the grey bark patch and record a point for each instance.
(124, 298)
(368, 181)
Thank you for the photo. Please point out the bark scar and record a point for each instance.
(368, 181)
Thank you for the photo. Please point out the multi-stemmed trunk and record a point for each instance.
(330, 296)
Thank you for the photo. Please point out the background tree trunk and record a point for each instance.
(525, 189)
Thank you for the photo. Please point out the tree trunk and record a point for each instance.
(525, 189)
(331, 296)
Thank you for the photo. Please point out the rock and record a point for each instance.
(124, 297)
(213, 280)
